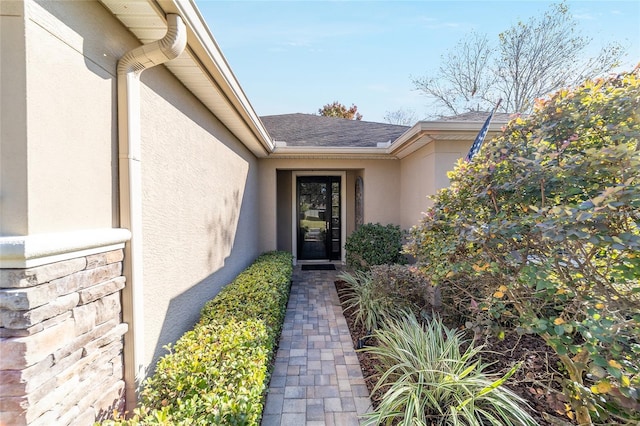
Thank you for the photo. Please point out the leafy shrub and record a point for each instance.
(259, 292)
(408, 286)
(387, 291)
(370, 303)
(430, 381)
(543, 226)
(374, 244)
(217, 373)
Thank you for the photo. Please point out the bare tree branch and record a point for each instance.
(532, 59)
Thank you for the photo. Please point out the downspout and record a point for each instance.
(130, 67)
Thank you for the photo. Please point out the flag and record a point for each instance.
(477, 143)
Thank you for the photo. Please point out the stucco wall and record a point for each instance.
(200, 210)
(381, 182)
(71, 115)
(200, 216)
(423, 173)
(284, 206)
(13, 110)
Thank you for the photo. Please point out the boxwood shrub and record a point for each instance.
(217, 372)
(374, 244)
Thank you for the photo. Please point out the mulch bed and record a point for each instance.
(537, 381)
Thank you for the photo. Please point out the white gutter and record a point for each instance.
(130, 67)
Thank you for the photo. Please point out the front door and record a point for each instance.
(318, 212)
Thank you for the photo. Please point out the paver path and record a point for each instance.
(317, 378)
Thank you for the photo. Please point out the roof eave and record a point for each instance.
(331, 152)
(202, 68)
(425, 132)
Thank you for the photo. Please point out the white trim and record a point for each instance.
(294, 208)
(130, 67)
(40, 249)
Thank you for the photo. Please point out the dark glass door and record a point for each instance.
(319, 223)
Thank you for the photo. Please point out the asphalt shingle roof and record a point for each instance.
(316, 130)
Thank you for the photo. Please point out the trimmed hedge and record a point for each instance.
(217, 373)
(374, 244)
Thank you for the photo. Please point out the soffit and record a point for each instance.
(425, 132)
(201, 68)
(330, 153)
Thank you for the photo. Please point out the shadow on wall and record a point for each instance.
(227, 265)
(222, 229)
(85, 25)
(187, 306)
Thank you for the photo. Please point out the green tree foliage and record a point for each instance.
(530, 59)
(540, 232)
(336, 109)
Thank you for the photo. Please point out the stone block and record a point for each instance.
(102, 259)
(48, 418)
(111, 399)
(96, 365)
(13, 411)
(98, 291)
(87, 417)
(84, 317)
(10, 332)
(22, 379)
(22, 352)
(58, 369)
(88, 316)
(21, 278)
(87, 278)
(103, 396)
(107, 338)
(31, 406)
(22, 299)
(26, 319)
(70, 417)
(12, 389)
(108, 308)
(55, 399)
(84, 340)
(36, 328)
(14, 404)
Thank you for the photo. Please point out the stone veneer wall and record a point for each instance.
(61, 341)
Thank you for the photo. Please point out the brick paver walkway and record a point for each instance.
(317, 378)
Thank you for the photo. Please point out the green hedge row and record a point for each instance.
(217, 373)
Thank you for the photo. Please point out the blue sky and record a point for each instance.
(296, 56)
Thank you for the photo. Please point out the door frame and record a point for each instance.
(294, 206)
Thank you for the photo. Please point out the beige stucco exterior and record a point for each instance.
(68, 143)
(13, 144)
(215, 192)
(59, 160)
(423, 173)
(381, 201)
(200, 216)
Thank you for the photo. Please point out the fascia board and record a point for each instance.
(424, 132)
(350, 153)
(210, 55)
(241, 120)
